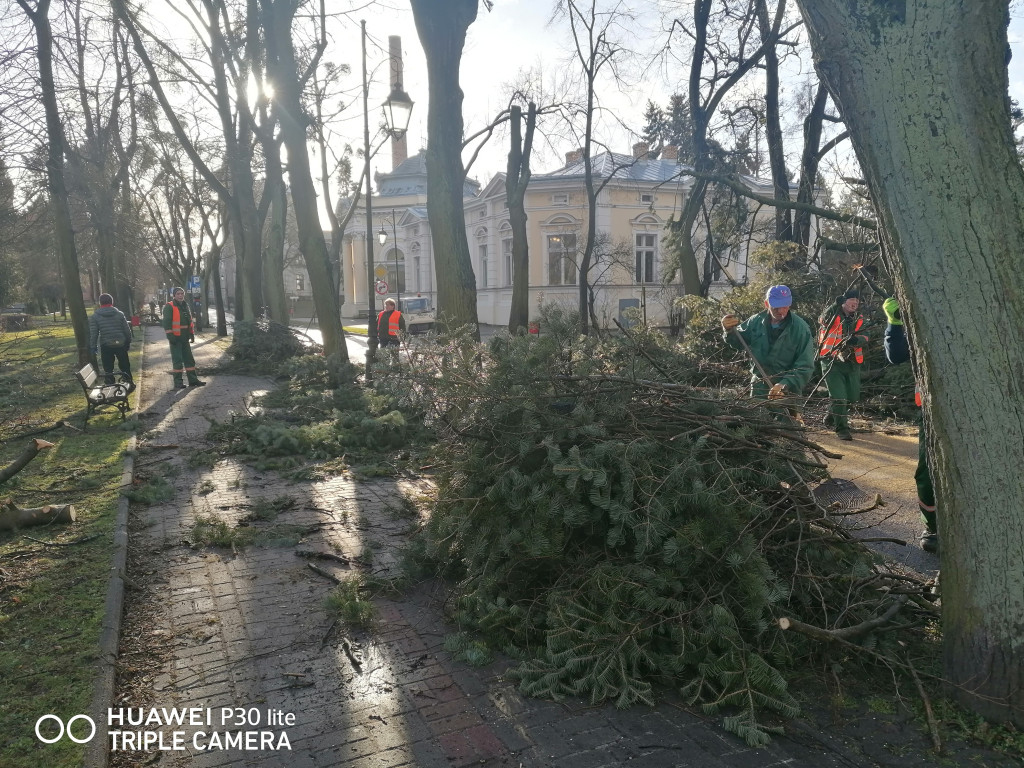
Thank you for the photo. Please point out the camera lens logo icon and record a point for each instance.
(63, 728)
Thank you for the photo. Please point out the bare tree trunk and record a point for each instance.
(773, 127)
(275, 293)
(516, 181)
(809, 164)
(442, 26)
(923, 90)
(55, 149)
(282, 68)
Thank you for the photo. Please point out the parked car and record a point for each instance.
(419, 315)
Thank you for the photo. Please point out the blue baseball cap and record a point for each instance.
(779, 296)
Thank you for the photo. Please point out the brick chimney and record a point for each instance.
(573, 157)
(640, 150)
(671, 152)
(399, 147)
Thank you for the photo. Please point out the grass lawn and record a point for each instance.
(53, 579)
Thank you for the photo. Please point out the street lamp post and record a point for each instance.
(382, 237)
(397, 112)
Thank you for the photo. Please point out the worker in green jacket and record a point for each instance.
(780, 341)
(181, 332)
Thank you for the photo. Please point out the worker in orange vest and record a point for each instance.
(181, 331)
(389, 323)
(841, 342)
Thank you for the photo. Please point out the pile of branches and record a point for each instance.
(258, 343)
(619, 530)
(318, 412)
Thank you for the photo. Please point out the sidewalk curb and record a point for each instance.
(96, 753)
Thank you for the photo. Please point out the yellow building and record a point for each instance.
(638, 196)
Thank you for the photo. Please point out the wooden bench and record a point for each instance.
(103, 395)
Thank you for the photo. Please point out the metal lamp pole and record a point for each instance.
(371, 319)
(398, 282)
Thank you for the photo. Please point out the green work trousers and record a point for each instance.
(923, 479)
(843, 382)
(182, 361)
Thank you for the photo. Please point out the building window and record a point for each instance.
(482, 248)
(562, 259)
(395, 262)
(506, 257)
(561, 199)
(300, 283)
(646, 245)
(646, 199)
(416, 272)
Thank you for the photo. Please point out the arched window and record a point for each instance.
(561, 251)
(646, 242)
(505, 234)
(482, 257)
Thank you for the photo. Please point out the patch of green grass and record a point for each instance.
(202, 459)
(150, 490)
(210, 531)
(263, 509)
(205, 488)
(52, 598)
(881, 706)
(348, 605)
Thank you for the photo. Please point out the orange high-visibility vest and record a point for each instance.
(393, 326)
(830, 340)
(176, 320)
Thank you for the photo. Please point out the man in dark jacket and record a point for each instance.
(111, 335)
(841, 342)
(897, 350)
(180, 329)
(780, 340)
(389, 323)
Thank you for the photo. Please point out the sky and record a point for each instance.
(513, 36)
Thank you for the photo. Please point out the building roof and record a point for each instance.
(623, 167)
(626, 168)
(410, 178)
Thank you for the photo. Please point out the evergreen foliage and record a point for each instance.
(305, 418)
(260, 342)
(620, 530)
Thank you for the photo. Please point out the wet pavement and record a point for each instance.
(238, 640)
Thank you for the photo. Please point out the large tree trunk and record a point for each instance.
(442, 26)
(283, 70)
(809, 164)
(773, 124)
(56, 186)
(516, 181)
(923, 89)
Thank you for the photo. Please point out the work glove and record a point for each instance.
(891, 307)
(729, 322)
(777, 392)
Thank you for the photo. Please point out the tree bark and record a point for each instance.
(809, 164)
(516, 181)
(442, 25)
(773, 124)
(923, 89)
(282, 68)
(30, 452)
(56, 186)
(11, 517)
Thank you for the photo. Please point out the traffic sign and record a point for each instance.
(380, 271)
(381, 286)
(193, 283)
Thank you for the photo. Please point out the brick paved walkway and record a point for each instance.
(247, 630)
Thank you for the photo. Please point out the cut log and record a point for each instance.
(12, 517)
(33, 448)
